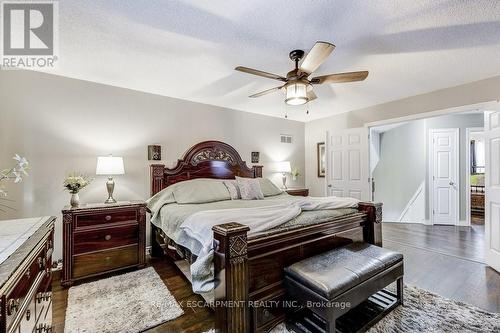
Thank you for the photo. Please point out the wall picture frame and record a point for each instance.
(154, 152)
(321, 156)
(255, 157)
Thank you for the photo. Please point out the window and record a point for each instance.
(477, 157)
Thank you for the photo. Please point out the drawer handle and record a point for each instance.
(107, 237)
(28, 315)
(43, 297)
(44, 328)
(108, 217)
(266, 313)
(13, 306)
(41, 263)
(107, 258)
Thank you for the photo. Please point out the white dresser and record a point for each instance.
(26, 247)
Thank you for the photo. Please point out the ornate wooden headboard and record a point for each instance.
(208, 159)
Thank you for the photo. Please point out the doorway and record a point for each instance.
(476, 178)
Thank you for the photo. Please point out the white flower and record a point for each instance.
(22, 169)
(17, 175)
(22, 161)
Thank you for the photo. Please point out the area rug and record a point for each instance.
(127, 303)
(427, 312)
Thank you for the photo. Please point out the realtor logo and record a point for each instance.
(29, 34)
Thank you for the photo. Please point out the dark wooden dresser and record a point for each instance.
(26, 247)
(103, 238)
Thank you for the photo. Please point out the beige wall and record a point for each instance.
(61, 125)
(471, 93)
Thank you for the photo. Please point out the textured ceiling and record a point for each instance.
(188, 49)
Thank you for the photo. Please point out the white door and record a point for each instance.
(347, 163)
(444, 175)
(492, 188)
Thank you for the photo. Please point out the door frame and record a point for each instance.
(479, 107)
(430, 160)
(468, 132)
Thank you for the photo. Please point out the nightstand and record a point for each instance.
(102, 238)
(300, 192)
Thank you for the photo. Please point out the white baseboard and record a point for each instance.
(463, 223)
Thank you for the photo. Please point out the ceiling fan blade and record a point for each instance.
(318, 54)
(260, 73)
(265, 92)
(340, 77)
(311, 96)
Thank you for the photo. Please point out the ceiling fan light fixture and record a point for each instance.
(296, 93)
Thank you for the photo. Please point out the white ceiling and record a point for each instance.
(188, 49)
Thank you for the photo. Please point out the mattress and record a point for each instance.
(173, 215)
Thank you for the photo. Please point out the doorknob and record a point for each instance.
(451, 183)
(329, 185)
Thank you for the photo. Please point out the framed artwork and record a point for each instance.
(255, 157)
(154, 152)
(321, 159)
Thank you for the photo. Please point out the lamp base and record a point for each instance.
(284, 181)
(110, 201)
(110, 186)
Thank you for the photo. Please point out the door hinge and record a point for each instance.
(433, 212)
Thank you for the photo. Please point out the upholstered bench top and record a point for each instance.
(331, 273)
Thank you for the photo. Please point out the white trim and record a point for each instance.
(468, 132)
(327, 144)
(430, 160)
(463, 223)
(419, 190)
(479, 107)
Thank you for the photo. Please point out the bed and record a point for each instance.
(249, 291)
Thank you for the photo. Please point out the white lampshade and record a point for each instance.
(296, 93)
(109, 165)
(284, 167)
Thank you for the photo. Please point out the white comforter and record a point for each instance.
(199, 226)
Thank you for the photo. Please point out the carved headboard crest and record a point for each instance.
(208, 159)
(213, 154)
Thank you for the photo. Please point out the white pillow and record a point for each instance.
(234, 190)
(249, 188)
(268, 188)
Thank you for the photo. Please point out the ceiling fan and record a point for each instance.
(298, 85)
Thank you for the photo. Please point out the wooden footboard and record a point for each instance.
(249, 290)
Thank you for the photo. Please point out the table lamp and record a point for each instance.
(284, 167)
(110, 166)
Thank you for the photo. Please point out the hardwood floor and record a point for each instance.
(462, 242)
(447, 261)
(442, 259)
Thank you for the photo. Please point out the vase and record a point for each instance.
(294, 177)
(75, 200)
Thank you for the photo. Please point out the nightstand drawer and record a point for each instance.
(302, 192)
(102, 261)
(89, 220)
(105, 238)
